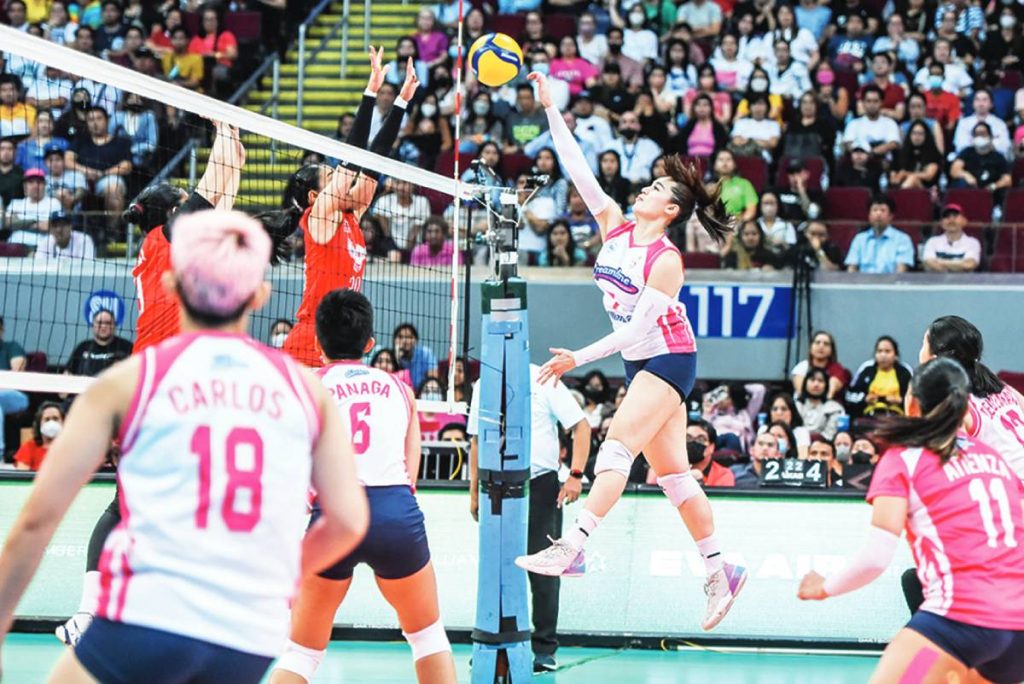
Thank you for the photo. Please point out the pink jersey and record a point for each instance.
(215, 466)
(378, 408)
(998, 420)
(621, 271)
(965, 525)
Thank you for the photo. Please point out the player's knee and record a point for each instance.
(679, 487)
(614, 456)
(301, 660)
(428, 641)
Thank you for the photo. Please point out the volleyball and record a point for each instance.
(495, 59)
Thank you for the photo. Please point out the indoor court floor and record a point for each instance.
(27, 658)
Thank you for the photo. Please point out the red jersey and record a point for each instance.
(339, 263)
(159, 317)
(964, 525)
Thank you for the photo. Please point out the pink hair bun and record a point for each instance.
(220, 258)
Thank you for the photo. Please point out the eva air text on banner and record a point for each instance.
(738, 311)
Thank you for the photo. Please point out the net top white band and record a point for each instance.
(66, 59)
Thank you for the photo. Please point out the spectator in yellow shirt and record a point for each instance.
(17, 119)
(180, 66)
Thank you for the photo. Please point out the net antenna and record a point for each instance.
(59, 288)
(457, 215)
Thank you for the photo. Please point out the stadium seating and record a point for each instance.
(913, 204)
(976, 203)
(847, 203)
(755, 170)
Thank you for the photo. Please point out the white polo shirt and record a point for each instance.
(939, 247)
(550, 405)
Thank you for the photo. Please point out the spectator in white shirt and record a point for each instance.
(779, 234)
(757, 129)
(789, 77)
(52, 92)
(639, 42)
(802, 44)
(956, 80)
(881, 132)
(64, 243)
(953, 251)
(962, 138)
(593, 46)
(704, 17)
(31, 214)
(731, 71)
(404, 213)
(589, 126)
(636, 152)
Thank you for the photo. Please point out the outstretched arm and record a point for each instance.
(607, 213)
(220, 181)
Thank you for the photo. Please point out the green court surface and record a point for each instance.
(29, 657)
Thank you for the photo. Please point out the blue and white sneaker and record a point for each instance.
(722, 589)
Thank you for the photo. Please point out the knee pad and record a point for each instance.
(613, 455)
(679, 487)
(428, 641)
(300, 660)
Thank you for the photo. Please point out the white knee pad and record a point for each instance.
(679, 487)
(428, 641)
(300, 660)
(613, 455)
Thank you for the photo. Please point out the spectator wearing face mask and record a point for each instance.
(940, 104)
(779, 234)
(636, 152)
(843, 444)
(45, 427)
(748, 475)
(1005, 46)
(639, 42)
(759, 86)
(786, 438)
(981, 165)
(631, 70)
(701, 438)
(819, 413)
(964, 136)
(279, 330)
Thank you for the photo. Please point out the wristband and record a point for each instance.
(578, 474)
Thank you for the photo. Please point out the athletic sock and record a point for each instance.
(90, 592)
(586, 522)
(711, 552)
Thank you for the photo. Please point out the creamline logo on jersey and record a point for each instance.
(616, 277)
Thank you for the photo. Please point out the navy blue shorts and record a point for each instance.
(117, 653)
(678, 370)
(997, 654)
(395, 545)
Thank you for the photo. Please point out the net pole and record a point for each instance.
(457, 215)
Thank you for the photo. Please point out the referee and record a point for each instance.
(550, 405)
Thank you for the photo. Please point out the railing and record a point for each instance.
(303, 28)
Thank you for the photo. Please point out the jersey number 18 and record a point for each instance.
(238, 479)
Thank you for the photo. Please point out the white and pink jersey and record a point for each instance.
(378, 409)
(998, 420)
(965, 526)
(215, 466)
(621, 271)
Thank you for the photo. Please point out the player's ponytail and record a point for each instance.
(942, 390)
(153, 206)
(955, 338)
(690, 193)
(282, 223)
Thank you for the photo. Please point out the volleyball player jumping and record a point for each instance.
(154, 210)
(332, 202)
(640, 273)
(386, 440)
(222, 439)
(961, 505)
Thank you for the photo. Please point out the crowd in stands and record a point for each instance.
(70, 145)
(865, 135)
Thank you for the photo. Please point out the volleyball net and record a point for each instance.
(96, 134)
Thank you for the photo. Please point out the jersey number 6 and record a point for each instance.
(238, 479)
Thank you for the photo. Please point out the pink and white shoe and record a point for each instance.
(578, 567)
(722, 589)
(553, 561)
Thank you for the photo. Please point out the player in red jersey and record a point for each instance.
(963, 509)
(332, 202)
(153, 211)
